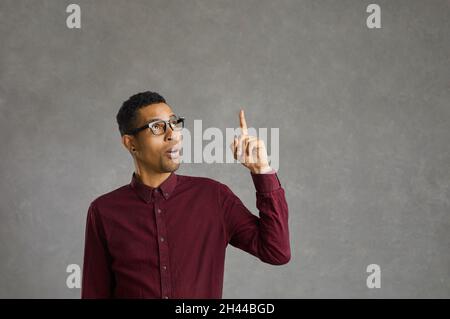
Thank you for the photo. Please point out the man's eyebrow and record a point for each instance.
(157, 118)
(151, 120)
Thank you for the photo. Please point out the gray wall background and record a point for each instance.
(364, 118)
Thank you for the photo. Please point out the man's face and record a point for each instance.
(152, 150)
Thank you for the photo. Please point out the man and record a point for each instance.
(164, 235)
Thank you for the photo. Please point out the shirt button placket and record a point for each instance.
(163, 251)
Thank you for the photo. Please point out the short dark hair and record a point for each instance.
(127, 115)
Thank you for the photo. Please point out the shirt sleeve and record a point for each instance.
(266, 237)
(97, 275)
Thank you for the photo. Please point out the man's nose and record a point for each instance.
(173, 135)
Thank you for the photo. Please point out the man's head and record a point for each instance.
(149, 151)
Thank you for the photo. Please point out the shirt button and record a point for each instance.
(167, 194)
(165, 297)
(164, 267)
(159, 211)
(162, 238)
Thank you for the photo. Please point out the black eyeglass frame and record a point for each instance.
(178, 118)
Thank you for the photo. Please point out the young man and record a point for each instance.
(164, 235)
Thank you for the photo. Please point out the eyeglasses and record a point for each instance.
(158, 127)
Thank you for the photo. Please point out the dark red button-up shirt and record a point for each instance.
(170, 241)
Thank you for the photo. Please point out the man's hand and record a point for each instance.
(249, 150)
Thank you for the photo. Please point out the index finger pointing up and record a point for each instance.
(243, 123)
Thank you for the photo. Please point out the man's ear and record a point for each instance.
(128, 143)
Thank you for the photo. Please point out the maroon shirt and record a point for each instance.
(170, 241)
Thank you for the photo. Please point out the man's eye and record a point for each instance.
(158, 126)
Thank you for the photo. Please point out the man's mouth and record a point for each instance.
(173, 152)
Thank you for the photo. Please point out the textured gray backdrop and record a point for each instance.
(364, 118)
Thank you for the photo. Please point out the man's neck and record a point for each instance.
(151, 179)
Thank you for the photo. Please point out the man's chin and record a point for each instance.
(171, 168)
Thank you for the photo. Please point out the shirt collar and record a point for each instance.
(148, 193)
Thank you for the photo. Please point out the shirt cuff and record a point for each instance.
(265, 183)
